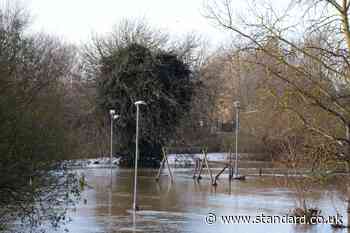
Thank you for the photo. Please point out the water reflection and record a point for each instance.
(182, 206)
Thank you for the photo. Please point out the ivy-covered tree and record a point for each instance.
(160, 78)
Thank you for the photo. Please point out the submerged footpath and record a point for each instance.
(248, 163)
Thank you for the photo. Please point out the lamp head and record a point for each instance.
(237, 104)
(140, 102)
(115, 116)
(112, 112)
(201, 123)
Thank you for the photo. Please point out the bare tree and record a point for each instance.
(306, 48)
(329, 55)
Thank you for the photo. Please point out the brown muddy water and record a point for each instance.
(182, 206)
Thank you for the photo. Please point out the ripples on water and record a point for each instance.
(183, 205)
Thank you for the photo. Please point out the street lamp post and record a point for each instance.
(137, 103)
(237, 106)
(113, 116)
(347, 133)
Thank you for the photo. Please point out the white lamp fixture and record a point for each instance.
(140, 102)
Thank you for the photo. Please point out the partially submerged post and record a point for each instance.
(138, 103)
(218, 175)
(162, 164)
(236, 176)
(204, 161)
(205, 152)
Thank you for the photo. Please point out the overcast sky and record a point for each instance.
(75, 20)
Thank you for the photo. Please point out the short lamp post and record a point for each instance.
(113, 116)
(137, 104)
(237, 106)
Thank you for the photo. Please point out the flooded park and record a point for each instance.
(183, 205)
(175, 116)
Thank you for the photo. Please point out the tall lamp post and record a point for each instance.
(137, 103)
(113, 116)
(237, 105)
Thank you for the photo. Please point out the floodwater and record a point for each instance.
(182, 206)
